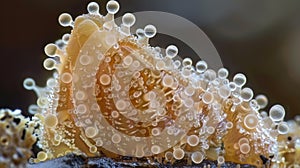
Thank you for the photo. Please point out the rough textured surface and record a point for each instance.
(73, 161)
(16, 138)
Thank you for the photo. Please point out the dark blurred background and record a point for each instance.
(258, 38)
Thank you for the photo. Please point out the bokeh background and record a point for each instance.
(258, 38)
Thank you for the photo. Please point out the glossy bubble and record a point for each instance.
(29, 84)
(245, 148)
(171, 51)
(150, 31)
(65, 19)
(262, 101)
(178, 154)
(140, 33)
(239, 79)
(250, 121)
(93, 8)
(246, 94)
(224, 91)
(112, 7)
(187, 62)
(51, 120)
(49, 64)
(193, 140)
(197, 157)
(277, 113)
(201, 66)
(283, 128)
(223, 73)
(66, 38)
(128, 19)
(50, 49)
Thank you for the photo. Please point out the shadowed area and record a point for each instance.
(80, 161)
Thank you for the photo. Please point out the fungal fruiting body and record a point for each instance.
(113, 94)
(16, 138)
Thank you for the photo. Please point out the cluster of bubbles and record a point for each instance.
(116, 94)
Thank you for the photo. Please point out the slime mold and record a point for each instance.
(112, 94)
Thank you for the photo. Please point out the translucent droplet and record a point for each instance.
(50, 120)
(193, 140)
(93, 149)
(201, 66)
(242, 141)
(105, 79)
(187, 62)
(42, 156)
(93, 8)
(66, 77)
(81, 109)
(171, 51)
(223, 73)
(121, 105)
(197, 157)
(29, 84)
(140, 33)
(176, 64)
(189, 91)
(210, 130)
(186, 72)
(33, 109)
(42, 102)
(49, 64)
(112, 7)
(178, 154)
(127, 60)
(232, 86)
(128, 19)
(263, 114)
(262, 101)
(283, 128)
(80, 95)
(50, 49)
(51, 82)
(168, 81)
(250, 121)
(229, 125)
(155, 131)
(246, 94)
(207, 98)
(91, 132)
(99, 142)
(160, 65)
(239, 79)
(85, 59)
(224, 91)
(66, 38)
(254, 105)
(155, 149)
(65, 19)
(277, 113)
(188, 102)
(116, 138)
(210, 75)
(150, 31)
(245, 148)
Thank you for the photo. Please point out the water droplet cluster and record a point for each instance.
(113, 94)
